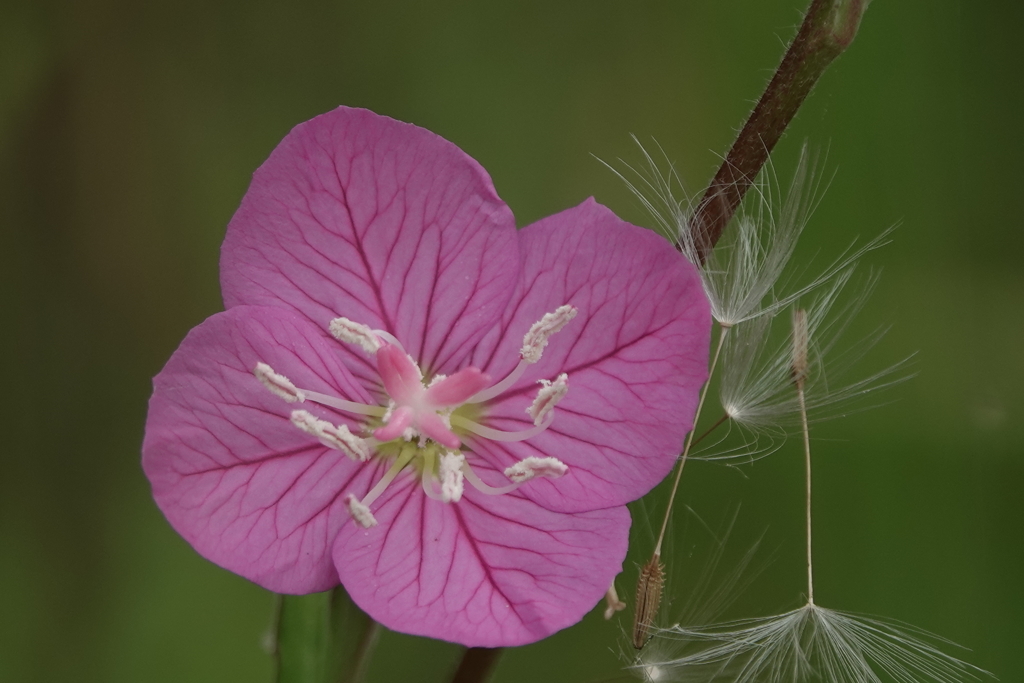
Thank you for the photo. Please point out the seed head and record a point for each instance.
(648, 600)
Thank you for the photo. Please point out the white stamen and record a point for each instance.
(306, 421)
(480, 486)
(429, 487)
(499, 435)
(337, 437)
(549, 395)
(612, 602)
(342, 404)
(360, 513)
(531, 467)
(389, 338)
(352, 332)
(279, 385)
(451, 476)
(499, 388)
(537, 338)
(404, 458)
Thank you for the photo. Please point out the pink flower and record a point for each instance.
(386, 401)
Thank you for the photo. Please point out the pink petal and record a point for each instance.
(249, 490)
(489, 571)
(382, 222)
(636, 356)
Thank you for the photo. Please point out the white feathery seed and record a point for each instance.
(742, 276)
(811, 643)
(756, 389)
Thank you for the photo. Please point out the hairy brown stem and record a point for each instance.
(828, 28)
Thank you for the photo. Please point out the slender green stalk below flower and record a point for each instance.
(827, 30)
(477, 665)
(364, 652)
(323, 638)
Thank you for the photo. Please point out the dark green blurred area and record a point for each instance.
(128, 133)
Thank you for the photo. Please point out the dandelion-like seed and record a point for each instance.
(736, 284)
(648, 600)
(756, 389)
(742, 275)
(710, 593)
(741, 279)
(811, 642)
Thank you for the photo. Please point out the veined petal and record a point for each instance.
(489, 571)
(384, 223)
(249, 490)
(636, 356)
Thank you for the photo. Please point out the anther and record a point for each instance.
(351, 332)
(537, 338)
(452, 484)
(360, 513)
(533, 346)
(549, 395)
(531, 467)
(338, 437)
(279, 385)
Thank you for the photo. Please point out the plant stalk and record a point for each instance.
(477, 665)
(807, 467)
(828, 28)
(322, 638)
(723, 331)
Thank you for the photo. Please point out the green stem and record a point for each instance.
(827, 30)
(322, 638)
(364, 652)
(477, 665)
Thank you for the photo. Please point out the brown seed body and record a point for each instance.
(648, 599)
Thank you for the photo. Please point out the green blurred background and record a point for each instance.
(128, 133)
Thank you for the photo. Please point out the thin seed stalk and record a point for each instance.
(801, 343)
(723, 331)
(652, 575)
(707, 432)
(807, 461)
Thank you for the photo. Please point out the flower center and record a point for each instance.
(418, 428)
(419, 410)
